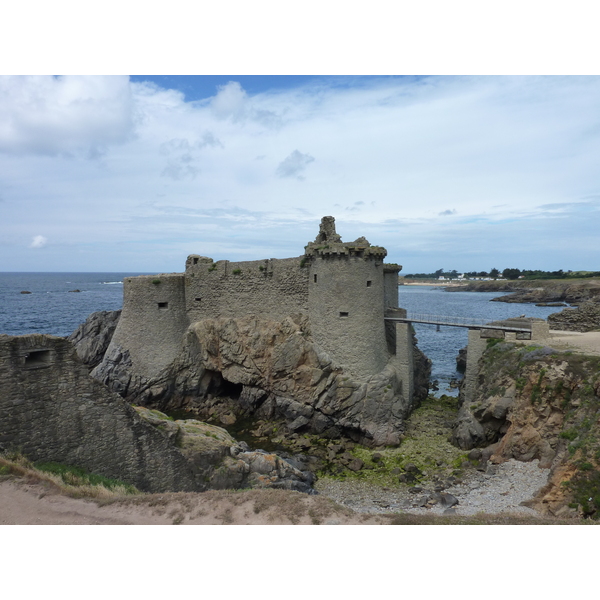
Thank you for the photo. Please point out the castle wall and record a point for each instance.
(51, 410)
(153, 321)
(346, 311)
(390, 285)
(405, 357)
(273, 288)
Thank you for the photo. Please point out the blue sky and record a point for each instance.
(119, 173)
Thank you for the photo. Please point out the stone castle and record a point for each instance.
(332, 351)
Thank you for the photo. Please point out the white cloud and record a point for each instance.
(294, 165)
(399, 160)
(39, 241)
(64, 115)
(229, 100)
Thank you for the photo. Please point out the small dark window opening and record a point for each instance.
(197, 299)
(38, 358)
(343, 314)
(195, 261)
(163, 305)
(369, 283)
(315, 277)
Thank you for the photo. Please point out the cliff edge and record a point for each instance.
(537, 402)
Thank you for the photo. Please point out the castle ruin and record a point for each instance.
(332, 355)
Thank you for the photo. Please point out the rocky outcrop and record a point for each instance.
(584, 318)
(555, 292)
(52, 410)
(270, 370)
(221, 462)
(91, 339)
(461, 360)
(536, 291)
(539, 403)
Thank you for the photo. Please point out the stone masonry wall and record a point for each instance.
(273, 288)
(346, 311)
(153, 321)
(52, 410)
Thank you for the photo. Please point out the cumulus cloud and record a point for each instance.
(492, 148)
(39, 241)
(64, 115)
(229, 101)
(294, 165)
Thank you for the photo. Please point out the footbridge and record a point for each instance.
(516, 326)
(480, 331)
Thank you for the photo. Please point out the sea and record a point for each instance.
(54, 307)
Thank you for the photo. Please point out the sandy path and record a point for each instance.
(23, 503)
(588, 343)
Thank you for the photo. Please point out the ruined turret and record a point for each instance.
(346, 300)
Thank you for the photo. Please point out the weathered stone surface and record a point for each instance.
(461, 360)
(91, 339)
(276, 372)
(52, 410)
(303, 339)
(448, 500)
(356, 465)
(584, 318)
(537, 404)
(221, 462)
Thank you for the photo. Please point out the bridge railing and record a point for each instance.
(451, 319)
(455, 321)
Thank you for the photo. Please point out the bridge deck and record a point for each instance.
(456, 322)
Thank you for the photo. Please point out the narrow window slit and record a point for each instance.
(163, 305)
(343, 314)
(38, 358)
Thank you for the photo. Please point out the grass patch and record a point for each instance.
(70, 481)
(76, 476)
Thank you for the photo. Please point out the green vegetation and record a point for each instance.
(585, 487)
(537, 388)
(69, 480)
(212, 267)
(509, 273)
(236, 272)
(569, 434)
(77, 476)
(156, 281)
(425, 446)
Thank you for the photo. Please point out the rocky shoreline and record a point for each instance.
(496, 489)
(536, 291)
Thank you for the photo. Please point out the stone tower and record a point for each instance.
(346, 300)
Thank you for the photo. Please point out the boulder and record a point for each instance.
(222, 462)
